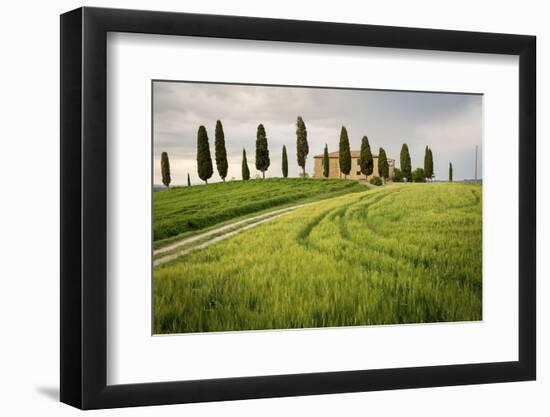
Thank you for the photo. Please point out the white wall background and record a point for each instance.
(29, 218)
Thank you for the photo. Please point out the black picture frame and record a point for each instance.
(84, 207)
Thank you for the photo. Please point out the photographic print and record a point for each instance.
(286, 207)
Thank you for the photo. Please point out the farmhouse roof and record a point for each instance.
(354, 154)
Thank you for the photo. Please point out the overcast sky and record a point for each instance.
(450, 124)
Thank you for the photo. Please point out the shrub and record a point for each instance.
(418, 175)
(397, 175)
(376, 181)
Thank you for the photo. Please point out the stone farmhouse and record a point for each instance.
(355, 173)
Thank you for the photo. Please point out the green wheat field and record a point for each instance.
(183, 211)
(405, 253)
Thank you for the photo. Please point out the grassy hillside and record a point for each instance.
(404, 254)
(180, 211)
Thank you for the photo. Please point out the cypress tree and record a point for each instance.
(383, 167)
(450, 172)
(344, 153)
(245, 170)
(262, 152)
(165, 169)
(204, 160)
(405, 159)
(426, 156)
(432, 173)
(326, 163)
(302, 147)
(285, 163)
(220, 152)
(366, 161)
(428, 163)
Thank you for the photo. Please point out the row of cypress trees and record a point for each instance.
(262, 151)
(366, 160)
(406, 169)
(405, 159)
(204, 158)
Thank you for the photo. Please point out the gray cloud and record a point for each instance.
(450, 124)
